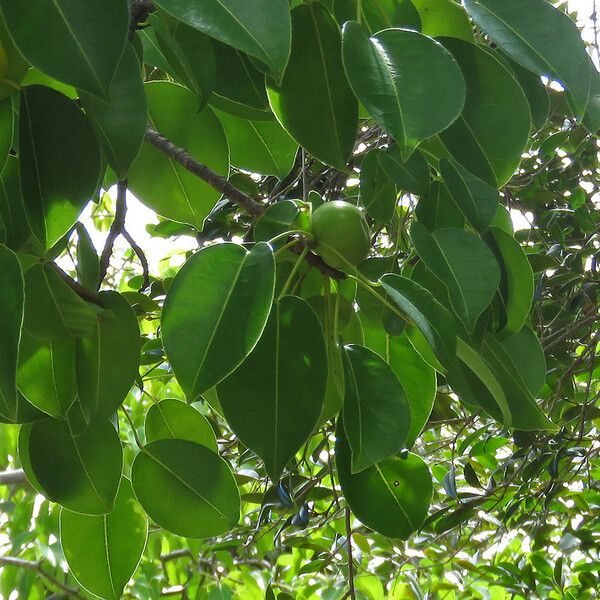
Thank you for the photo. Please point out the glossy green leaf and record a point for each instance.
(275, 413)
(260, 28)
(189, 54)
(493, 129)
(437, 209)
(11, 317)
(277, 219)
(120, 123)
(52, 309)
(215, 312)
(77, 43)
(376, 413)
(391, 497)
(239, 86)
(386, 74)
(528, 32)
(517, 284)
(378, 14)
(103, 551)
(161, 183)
(377, 190)
(411, 176)
(13, 66)
(273, 150)
(46, 374)
(107, 360)
(477, 199)
(464, 263)
(80, 472)
(323, 116)
(527, 356)
(432, 319)
(168, 473)
(54, 133)
(444, 18)
(173, 419)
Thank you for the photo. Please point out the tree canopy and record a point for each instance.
(366, 365)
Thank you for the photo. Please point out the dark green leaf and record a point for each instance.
(215, 312)
(277, 219)
(376, 413)
(88, 264)
(323, 116)
(77, 43)
(437, 209)
(386, 74)
(168, 473)
(377, 191)
(275, 412)
(410, 176)
(55, 135)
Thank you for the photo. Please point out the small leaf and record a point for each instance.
(80, 45)
(466, 266)
(180, 473)
(103, 551)
(323, 116)
(444, 18)
(377, 190)
(80, 472)
(52, 309)
(411, 176)
(391, 497)
(277, 219)
(173, 419)
(432, 319)
(88, 264)
(120, 123)
(376, 413)
(275, 413)
(54, 135)
(260, 28)
(437, 209)
(386, 74)
(215, 312)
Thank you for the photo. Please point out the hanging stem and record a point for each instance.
(287, 284)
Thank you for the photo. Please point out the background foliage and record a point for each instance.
(180, 429)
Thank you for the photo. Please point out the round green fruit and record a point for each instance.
(339, 228)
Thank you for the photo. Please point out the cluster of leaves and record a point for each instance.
(271, 418)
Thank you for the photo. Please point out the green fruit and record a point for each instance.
(339, 228)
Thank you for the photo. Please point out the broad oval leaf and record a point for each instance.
(411, 175)
(432, 319)
(517, 285)
(386, 74)
(391, 497)
(121, 122)
(75, 42)
(273, 150)
(527, 354)
(445, 18)
(161, 183)
(173, 419)
(477, 199)
(260, 28)
(464, 263)
(107, 361)
(376, 413)
(215, 312)
(274, 413)
(528, 32)
(103, 551)
(323, 116)
(55, 135)
(46, 374)
(80, 472)
(493, 129)
(12, 297)
(52, 309)
(437, 209)
(377, 191)
(168, 473)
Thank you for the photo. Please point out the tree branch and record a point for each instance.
(36, 567)
(80, 290)
(138, 13)
(219, 183)
(12, 477)
(351, 590)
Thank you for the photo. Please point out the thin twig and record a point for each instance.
(36, 567)
(80, 290)
(12, 477)
(141, 256)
